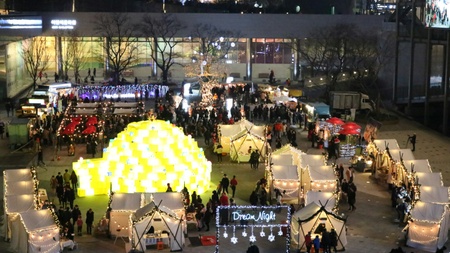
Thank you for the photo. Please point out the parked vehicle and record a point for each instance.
(317, 111)
(342, 101)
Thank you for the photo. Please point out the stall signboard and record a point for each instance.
(255, 223)
(36, 101)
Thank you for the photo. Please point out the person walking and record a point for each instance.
(219, 150)
(53, 184)
(74, 180)
(225, 182)
(89, 221)
(333, 240)
(308, 242)
(316, 243)
(94, 72)
(60, 179)
(412, 139)
(69, 195)
(40, 156)
(233, 184)
(79, 225)
(66, 177)
(351, 196)
(325, 242)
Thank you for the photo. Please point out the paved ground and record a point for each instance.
(371, 227)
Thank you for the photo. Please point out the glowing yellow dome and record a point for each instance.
(144, 158)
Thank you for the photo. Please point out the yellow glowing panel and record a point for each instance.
(145, 157)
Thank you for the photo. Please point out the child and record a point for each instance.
(79, 225)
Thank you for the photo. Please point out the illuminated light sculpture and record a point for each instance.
(144, 158)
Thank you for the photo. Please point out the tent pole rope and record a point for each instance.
(170, 231)
(147, 226)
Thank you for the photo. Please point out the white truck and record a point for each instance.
(341, 101)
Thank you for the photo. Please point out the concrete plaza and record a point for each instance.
(371, 228)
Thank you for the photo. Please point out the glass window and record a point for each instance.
(271, 51)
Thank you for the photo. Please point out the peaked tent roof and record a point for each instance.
(430, 179)
(126, 201)
(428, 212)
(322, 173)
(283, 172)
(282, 159)
(310, 211)
(405, 154)
(311, 160)
(435, 194)
(38, 219)
(383, 143)
(422, 165)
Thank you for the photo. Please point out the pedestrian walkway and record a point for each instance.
(371, 227)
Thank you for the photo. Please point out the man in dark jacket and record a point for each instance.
(225, 183)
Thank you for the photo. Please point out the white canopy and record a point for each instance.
(126, 201)
(434, 194)
(35, 231)
(150, 216)
(428, 229)
(311, 160)
(430, 179)
(19, 203)
(125, 204)
(327, 199)
(17, 175)
(418, 165)
(318, 178)
(307, 218)
(383, 143)
(405, 154)
(282, 159)
(285, 172)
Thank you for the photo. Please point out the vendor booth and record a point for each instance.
(429, 179)
(19, 195)
(311, 161)
(34, 231)
(123, 205)
(286, 179)
(428, 226)
(245, 142)
(325, 199)
(18, 130)
(316, 218)
(153, 224)
(422, 165)
(227, 132)
(434, 194)
(318, 178)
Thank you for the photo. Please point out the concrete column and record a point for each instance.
(297, 68)
(411, 62)
(105, 57)
(59, 57)
(427, 82)
(248, 54)
(155, 56)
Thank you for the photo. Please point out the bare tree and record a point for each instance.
(120, 43)
(73, 54)
(214, 46)
(35, 57)
(161, 34)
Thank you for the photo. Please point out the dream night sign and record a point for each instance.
(237, 226)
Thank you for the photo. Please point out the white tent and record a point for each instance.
(419, 165)
(226, 132)
(151, 215)
(34, 231)
(382, 144)
(398, 154)
(241, 142)
(310, 218)
(286, 155)
(434, 194)
(282, 159)
(429, 179)
(326, 199)
(428, 228)
(286, 179)
(311, 161)
(318, 178)
(19, 194)
(123, 205)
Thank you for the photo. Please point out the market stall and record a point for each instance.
(34, 231)
(125, 204)
(245, 141)
(318, 178)
(316, 218)
(227, 132)
(428, 226)
(307, 160)
(325, 199)
(167, 227)
(20, 195)
(285, 178)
